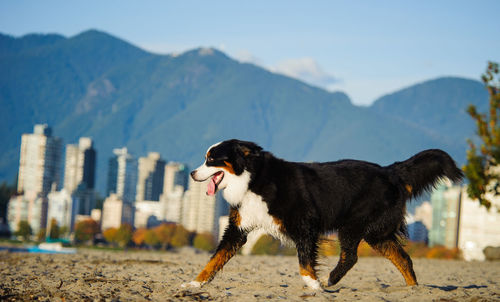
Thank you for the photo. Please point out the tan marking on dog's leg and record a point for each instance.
(342, 256)
(308, 274)
(400, 259)
(234, 216)
(214, 265)
(308, 270)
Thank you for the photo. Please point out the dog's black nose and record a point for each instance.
(193, 173)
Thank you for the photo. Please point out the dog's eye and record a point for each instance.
(210, 159)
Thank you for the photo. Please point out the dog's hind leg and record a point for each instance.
(392, 250)
(348, 256)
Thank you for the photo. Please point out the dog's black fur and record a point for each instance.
(358, 199)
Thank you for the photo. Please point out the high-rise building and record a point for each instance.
(79, 175)
(116, 212)
(172, 203)
(30, 207)
(122, 175)
(79, 169)
(40, 161)
(176, 174)
(148, 213)
(201, 212)
(174, 185)
(478, 227)
(445, 202)
(459, 222)
(151, 171)
(61, 208)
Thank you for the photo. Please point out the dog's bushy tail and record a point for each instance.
(423, 171)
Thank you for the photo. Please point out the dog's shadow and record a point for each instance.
(448, 288)
(386, 287)
(336, 291)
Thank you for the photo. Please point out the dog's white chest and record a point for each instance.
(254, 214)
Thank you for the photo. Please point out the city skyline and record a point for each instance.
(142, 192)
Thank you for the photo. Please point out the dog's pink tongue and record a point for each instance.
(211, 187)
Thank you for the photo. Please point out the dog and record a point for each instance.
(298, 202)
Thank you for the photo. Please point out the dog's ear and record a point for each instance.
(244, 150)
(248, 148)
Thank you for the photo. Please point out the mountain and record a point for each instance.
(96, 85)
(438, 107)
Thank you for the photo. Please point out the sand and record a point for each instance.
(157, 276)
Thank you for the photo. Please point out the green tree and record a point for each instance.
(42, 233)
(24, 230)
(110, 235)
(139, 236)
(85, 230)
(204, 241)
(482, 168)
(181, 236)
(151, 238)
(6, 192)
(124, 235)
(266, 245)
(164, 233)
(63, 231)
(54, 231)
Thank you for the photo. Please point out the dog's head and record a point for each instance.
(225, 162)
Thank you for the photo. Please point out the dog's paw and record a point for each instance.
(192, 284)
(313, 284)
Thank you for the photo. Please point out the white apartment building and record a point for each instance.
(79, 167)
(116, 212)
(148, 213)
(122, 175)
(478, 227)
(151, 172)
(174, 186)
(465, 223)
(40, 161)
(176, 174)
(29, 207)
(172, 203)
(61, 208)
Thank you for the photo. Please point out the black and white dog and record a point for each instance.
(298, 202)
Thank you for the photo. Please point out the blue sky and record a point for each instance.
(364, 48)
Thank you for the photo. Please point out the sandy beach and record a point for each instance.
(157, 276)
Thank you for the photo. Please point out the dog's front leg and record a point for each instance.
(307, 253)
(234, 238)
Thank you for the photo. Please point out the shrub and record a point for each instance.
(165, 232)
(24, 230)
(40, 237)
(442, 252)
(204, 241)
(266, 245)
(138, 236)
(151, 238)
(85, 230)
(54, 231)
(180, 237)
(124, 235)
(110, 235)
